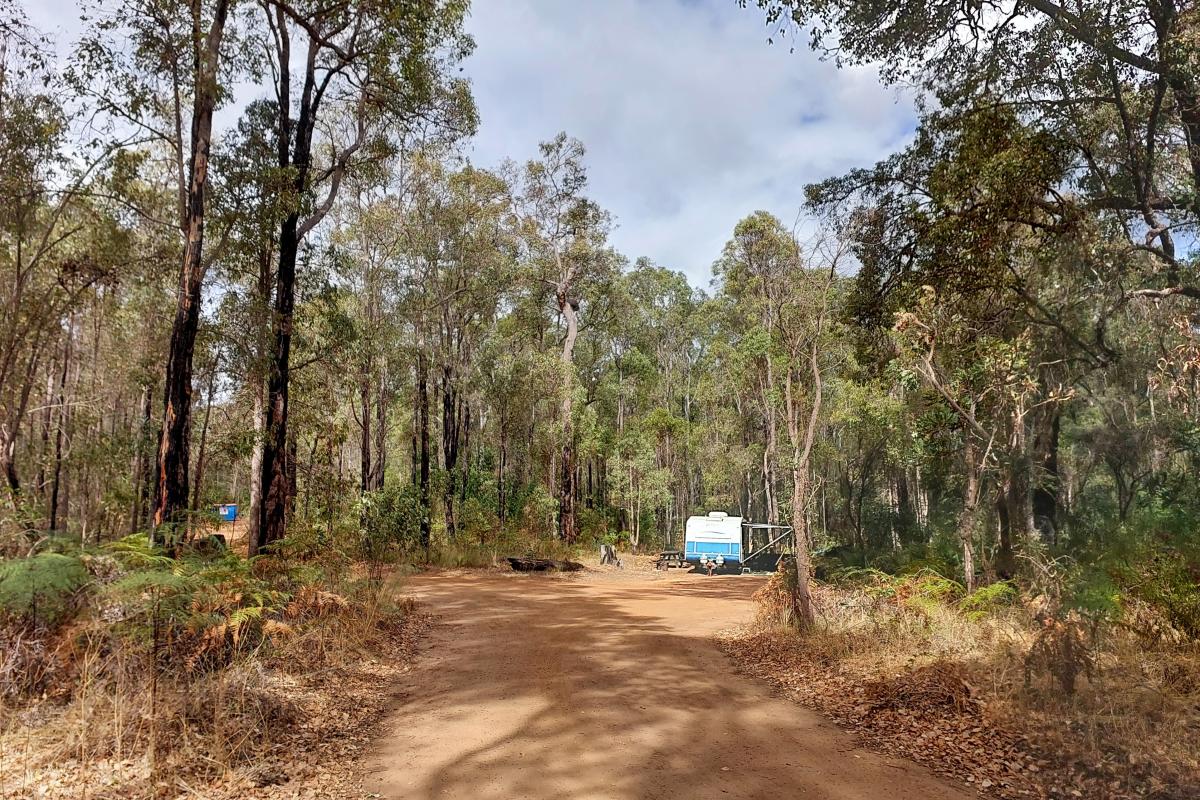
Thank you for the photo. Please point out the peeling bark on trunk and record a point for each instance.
(171, 489)
(968, 520)
(802, 444)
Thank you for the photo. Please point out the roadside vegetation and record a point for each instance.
(246, 261)
(1003, 688)
(126, 672)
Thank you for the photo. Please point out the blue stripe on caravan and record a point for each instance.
(714, 548)
(732, 551)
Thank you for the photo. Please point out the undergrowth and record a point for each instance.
(142, 671)
(1112, 700)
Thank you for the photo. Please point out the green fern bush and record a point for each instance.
(41, 588)
(989, 600)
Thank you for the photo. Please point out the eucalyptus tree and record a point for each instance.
(1117, 83)
(454, 259)
(155, 72)
(781, 315)
(963, 213)
(251, 195)
(638, 482)
(369, 238)
(474, 226)
(171, 490)
(753, 268)
(655, 347)
(370, 75)
(59, 236)
(512, 376)
(807, 337)
(564, 235)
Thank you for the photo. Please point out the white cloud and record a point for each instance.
(690, 118)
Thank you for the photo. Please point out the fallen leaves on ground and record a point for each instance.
(935, 715)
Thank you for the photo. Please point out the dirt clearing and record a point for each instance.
(610, 687)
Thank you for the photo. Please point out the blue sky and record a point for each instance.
(691, 119)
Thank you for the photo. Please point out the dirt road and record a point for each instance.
(536, 687)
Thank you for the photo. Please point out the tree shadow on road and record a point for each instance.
(545, 688)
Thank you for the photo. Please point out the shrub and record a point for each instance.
(930, 585)
(205, 607)
(539, 514)
(390, 522)
(478, 520)
(593, 527)
(41, 588)
(1167, 580)
(862, 577)
(987, 600)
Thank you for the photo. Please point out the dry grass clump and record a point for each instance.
(1012, 694)
(226, 692)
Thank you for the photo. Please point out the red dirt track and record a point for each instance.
(610, 687)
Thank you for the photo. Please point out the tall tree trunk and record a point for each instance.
(567, 521)
(423, 426)
(921, 501)
(1045, 491)
(450, 437)
(968, 518)
(365, 438)
(501, 500)
(60, 428)
(294, 151)
(199, 482)
(141, 477)
(414, 458)
(47, 424)
(904, 499)
(802, 444)
(465, 457)
(379, 467)
(1016, 510)
(1004, 534)
(770, 452)
(272, 520)
(253, 517)
(171, 489)
(258, 378)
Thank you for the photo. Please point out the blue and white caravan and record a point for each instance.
(713, 540)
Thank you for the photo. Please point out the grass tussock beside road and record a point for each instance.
(127, 675)
(995, 689)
